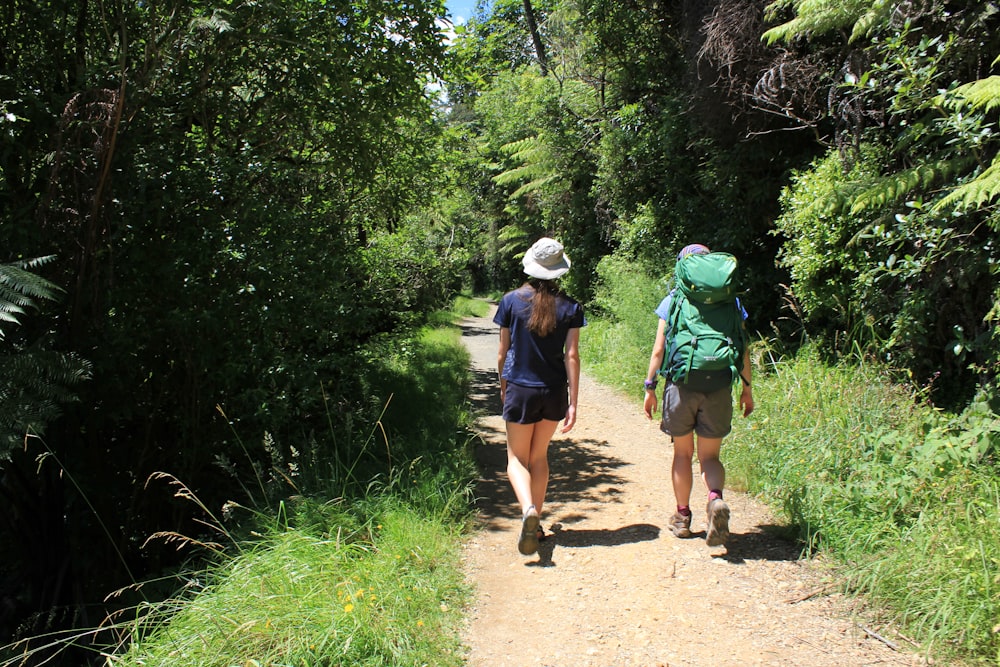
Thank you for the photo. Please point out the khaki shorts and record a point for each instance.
(685, 410)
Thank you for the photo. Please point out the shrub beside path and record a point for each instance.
(611, 587)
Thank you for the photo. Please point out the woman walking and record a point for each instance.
(539, 365)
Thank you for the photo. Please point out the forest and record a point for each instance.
(220, 219)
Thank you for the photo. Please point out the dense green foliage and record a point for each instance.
(225, 189)
(909, 216)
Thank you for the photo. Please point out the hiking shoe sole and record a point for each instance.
(680, 525)
(718, 523)
(527, 544)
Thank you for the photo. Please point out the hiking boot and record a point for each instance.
(527, 543)
(680, 524)
(718, 522)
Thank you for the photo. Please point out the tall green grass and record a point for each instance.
(466, 305)
(904, 497)
(621, 325)
(347, 552)
(388, 594)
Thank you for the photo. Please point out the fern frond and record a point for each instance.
(217, 21)
(982, 94)
(32, 387)
(524, 149)
(981, 190)
(20, 289)
(819, 17)
(876, 17)
(535, 185)
(17, 279)
(5, 313)
(538, 167)
(35, 263)
(894, 187)
(515, 240)
(526, 172)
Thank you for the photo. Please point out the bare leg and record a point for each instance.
(682, 475)
(539, 465)
(527, 461)
(714, 476)
(712, 471)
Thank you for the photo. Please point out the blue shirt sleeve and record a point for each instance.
(664, 308)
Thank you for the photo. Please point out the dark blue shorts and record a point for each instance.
(527, 405)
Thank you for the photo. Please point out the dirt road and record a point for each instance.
(612, 587)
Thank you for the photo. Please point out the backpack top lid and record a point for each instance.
(707, 278)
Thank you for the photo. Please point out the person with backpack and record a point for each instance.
(538, 361)
(701, 351)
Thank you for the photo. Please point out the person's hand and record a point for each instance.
(649, 404)
(570, 420)
(746, 401)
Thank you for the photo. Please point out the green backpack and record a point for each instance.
(705, 324)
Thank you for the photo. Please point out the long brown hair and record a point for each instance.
(543, 307)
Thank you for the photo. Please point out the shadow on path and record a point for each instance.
(580, 471)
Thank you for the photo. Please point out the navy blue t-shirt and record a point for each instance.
(536, 361)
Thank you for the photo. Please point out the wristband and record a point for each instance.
(650, 384)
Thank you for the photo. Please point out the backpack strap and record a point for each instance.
(674, 318)
(690, 359)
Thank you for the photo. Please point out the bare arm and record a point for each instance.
(655, 364)
(572, 360)
(501, 358)
(746, 396)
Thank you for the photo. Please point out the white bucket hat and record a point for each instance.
(546, 260)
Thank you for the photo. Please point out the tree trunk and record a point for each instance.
(536, 39)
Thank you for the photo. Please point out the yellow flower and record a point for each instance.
(348, 608)
(420, 624)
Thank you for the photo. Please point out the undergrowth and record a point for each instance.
(388, 594)
(346, 552)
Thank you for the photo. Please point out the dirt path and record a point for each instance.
(612, 587)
